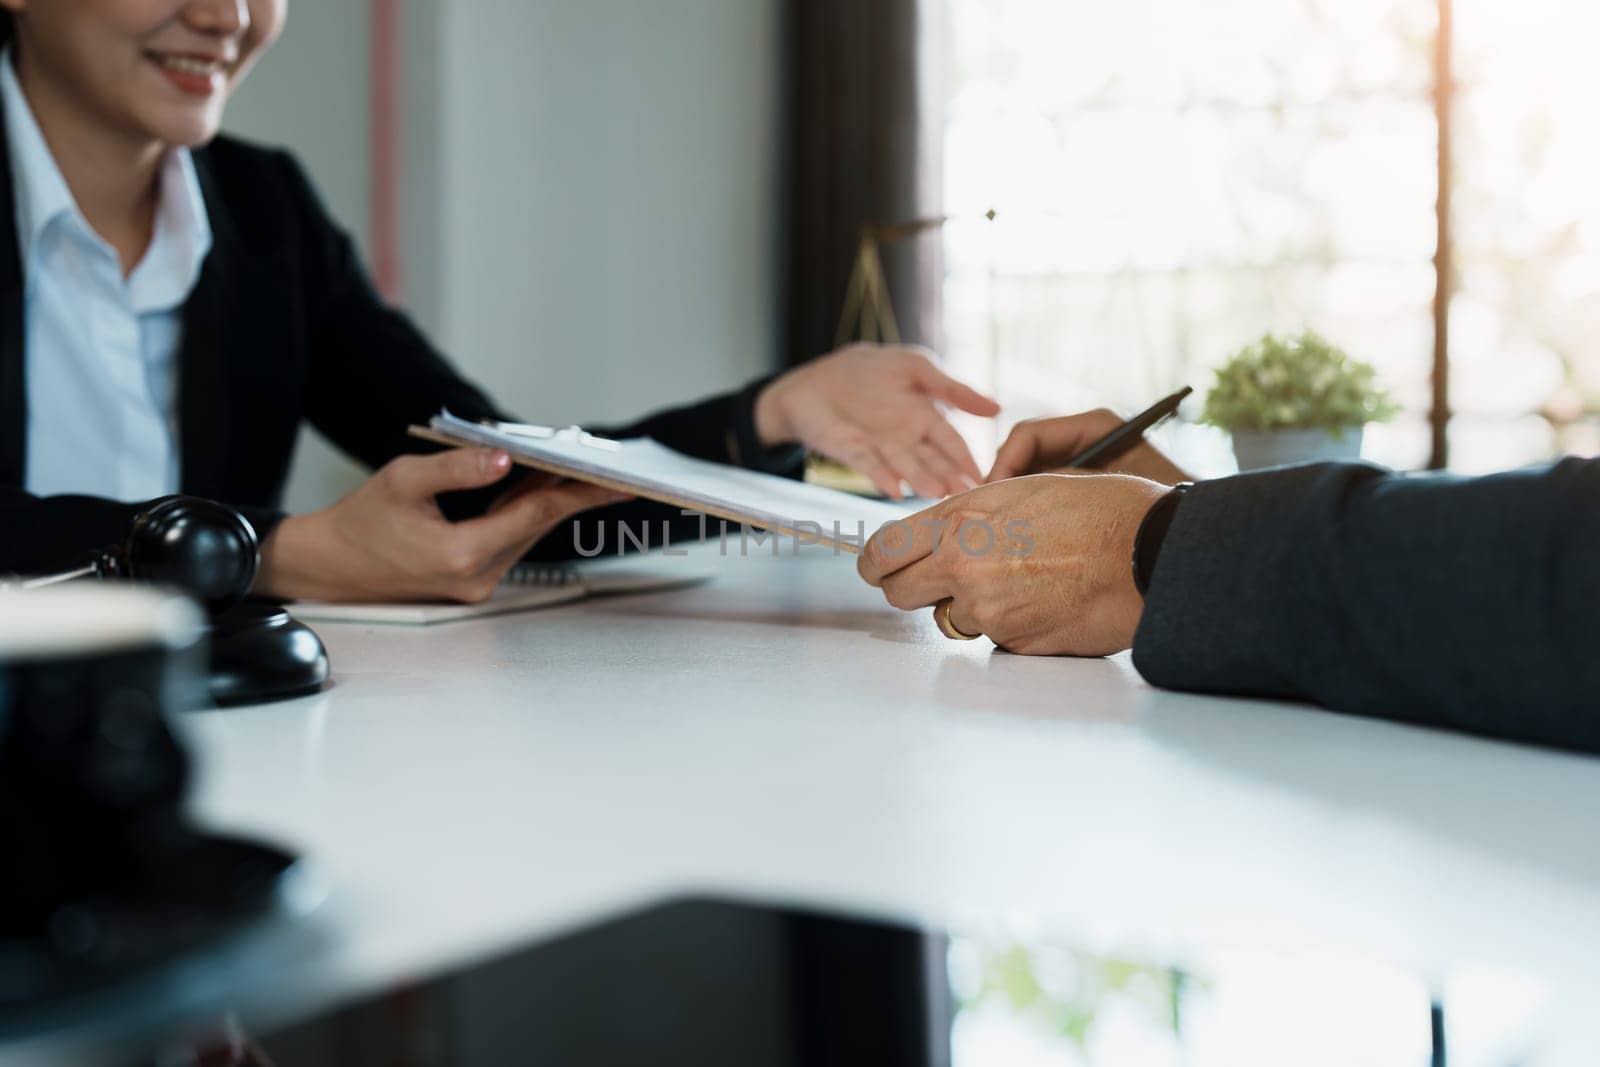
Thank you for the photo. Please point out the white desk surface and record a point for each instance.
(782, 732)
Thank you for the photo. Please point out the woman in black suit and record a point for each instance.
(278, 323)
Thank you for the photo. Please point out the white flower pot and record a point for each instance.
(1258, 449)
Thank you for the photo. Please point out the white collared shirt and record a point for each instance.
(100, 351)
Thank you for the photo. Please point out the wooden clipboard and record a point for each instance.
(807, 536)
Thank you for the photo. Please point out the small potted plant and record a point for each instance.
(1295, 400)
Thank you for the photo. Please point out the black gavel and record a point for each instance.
(211, 552)
(203, 548)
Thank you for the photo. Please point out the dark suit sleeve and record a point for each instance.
(370, 374)
(1472, 604)
(373, 374)
(50, 534)
(43, 535)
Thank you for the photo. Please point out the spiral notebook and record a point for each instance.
(526, 587)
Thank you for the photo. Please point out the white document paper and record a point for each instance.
(651, 470)
(506, 599)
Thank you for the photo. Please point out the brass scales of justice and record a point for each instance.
(868, 316)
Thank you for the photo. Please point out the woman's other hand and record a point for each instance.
(1038, 446)
(1041, 564)
(876, 408)
(388, 540)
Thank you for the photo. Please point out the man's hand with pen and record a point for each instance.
(1041, 559)
(1040, 446)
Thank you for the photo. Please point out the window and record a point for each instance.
(1173, 179)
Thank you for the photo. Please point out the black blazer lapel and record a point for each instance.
(203, 388)
(240, 379)
(13, 388)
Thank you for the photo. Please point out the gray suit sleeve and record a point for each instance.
(1468, 603)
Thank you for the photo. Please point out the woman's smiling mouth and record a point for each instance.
(192, 74)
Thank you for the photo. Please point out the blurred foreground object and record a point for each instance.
(105, 875)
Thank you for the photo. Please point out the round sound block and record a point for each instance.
(259, 653)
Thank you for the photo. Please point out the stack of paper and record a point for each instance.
(640, 466)
(527, 586)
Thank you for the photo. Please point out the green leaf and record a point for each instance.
(1295, 383)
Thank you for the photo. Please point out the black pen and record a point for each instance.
(1129, 433)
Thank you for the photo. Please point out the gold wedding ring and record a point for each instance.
(941, 616)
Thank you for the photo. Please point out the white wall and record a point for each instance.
(310, 93)
(591, 191)
(610, 185)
